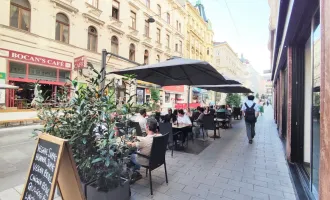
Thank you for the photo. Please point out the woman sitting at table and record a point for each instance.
(184, 120)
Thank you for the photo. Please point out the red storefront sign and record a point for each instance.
(80, 62)
(185, 105)
(175, 88)
(15, 55)
(147, 91)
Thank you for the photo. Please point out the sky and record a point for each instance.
(246, 31)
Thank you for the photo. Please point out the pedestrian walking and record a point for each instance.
(261, 108)
(250, 112)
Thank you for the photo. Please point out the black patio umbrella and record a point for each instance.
(176, 71)
(226, 88)
(232, 81)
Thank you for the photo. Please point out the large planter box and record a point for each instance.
(120, 193)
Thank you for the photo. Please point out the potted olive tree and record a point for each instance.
(86, 121)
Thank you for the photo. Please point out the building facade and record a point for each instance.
(43, 40)
(198, 45)
(300, 76)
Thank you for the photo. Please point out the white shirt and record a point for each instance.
(184, 120)
(144, 147)
(250, 103)
(142, 122)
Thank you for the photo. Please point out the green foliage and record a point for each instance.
(257, 95)
(87, 121)
(233, 100)
(155, 94)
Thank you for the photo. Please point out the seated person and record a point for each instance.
(143, 147)
(141, 118)
(222, 109)
(170, 117)
(212, 111)
(184, 120)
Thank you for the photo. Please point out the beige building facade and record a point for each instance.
(48, 40)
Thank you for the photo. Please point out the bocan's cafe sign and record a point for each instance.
(15, 55)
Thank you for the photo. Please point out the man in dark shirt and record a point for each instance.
(170, 117)
(212, 111)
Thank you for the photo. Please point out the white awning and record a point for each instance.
(6, 86)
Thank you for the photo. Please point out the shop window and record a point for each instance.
(167, 97)
(176, 47)
(64, 75)
(62, 28)
(115, 10)
(133, 20)
(92, 39)
(146, 57)
(132, 52)
(42, 73)
(94, 3)
(114, 45)
(17, 70)
(139, 96)
(20, 14)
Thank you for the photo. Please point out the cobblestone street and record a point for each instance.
(229, 169)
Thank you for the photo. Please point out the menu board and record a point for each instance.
(42, 171)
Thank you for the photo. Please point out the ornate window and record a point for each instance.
(132, 52)
(20, 14)
(92, 39)
(114, 45)
(146, 57)
(62, 28)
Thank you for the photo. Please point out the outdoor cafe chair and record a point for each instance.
(137, 127)
(157, 156)
(209, 124)
(165, 128)
(221, 116)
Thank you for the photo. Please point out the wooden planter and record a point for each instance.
(122, 192)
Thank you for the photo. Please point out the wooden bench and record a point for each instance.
(20, 121)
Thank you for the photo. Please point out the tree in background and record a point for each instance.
(155, 93)
(257, 95)
(233, 100)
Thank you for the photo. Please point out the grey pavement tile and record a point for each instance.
(188, 182)
(139, 197)
(178, 194)
(198, 192)
(265, 179)
(10, 194)
(196, 198)
(254, 182)
(171, 185)
(161, 196)
(236, 196)
(254, 194)
(207, 181)
(268, 191)
(281, 188)
(212, 189)
(15, 156)
(241, 184)
(226, 186)
(19, 188)
(289, 195)
(212, 196)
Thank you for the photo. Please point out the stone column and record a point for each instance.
(324, 186)
(289, 103)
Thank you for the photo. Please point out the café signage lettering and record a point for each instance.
(80, 62)
(15, 55)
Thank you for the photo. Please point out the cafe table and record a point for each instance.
(181, 127)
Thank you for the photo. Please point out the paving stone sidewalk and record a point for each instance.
(229, 169)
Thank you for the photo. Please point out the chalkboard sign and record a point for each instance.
(51, 155)
(41, 174)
